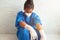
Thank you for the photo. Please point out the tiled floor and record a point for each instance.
(13, 37)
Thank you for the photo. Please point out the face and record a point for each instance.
(28, 10)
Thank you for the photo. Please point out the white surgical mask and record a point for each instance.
(28, 14)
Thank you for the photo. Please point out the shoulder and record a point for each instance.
(20, 13)
(35, 14)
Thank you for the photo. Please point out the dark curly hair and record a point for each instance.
(29, 4)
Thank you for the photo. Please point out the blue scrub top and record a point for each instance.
(32, 20)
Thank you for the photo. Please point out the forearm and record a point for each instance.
(24, 25)
(41, 31)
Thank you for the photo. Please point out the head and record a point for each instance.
(28, 6)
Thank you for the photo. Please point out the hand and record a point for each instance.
(32, 31)
(33, 34)
(43, 37)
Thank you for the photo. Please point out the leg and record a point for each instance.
(23, 34)
(26, 34)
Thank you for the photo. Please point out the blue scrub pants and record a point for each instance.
(23, 34)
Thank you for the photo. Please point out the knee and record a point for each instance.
(26, 32)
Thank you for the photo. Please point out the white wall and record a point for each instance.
(49, 11)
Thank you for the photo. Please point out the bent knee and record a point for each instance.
(26, 32)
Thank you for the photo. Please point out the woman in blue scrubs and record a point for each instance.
(29, 18)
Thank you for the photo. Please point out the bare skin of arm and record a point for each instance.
(38, 27)
(22, 24)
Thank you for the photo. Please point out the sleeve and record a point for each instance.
(19, 18)
(37, 20)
